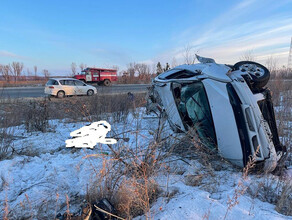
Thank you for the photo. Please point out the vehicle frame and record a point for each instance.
(240, 111)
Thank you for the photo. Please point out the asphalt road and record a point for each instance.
(33, 92)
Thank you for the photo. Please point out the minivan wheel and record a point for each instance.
(90, 92)
(259, 74)
(61, 94)
(106, 82)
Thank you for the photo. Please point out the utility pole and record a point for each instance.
(290, 57)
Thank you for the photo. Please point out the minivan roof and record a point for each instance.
(210, 70)
(64, 79)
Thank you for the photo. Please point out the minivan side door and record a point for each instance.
(68, 86)
(80, 88)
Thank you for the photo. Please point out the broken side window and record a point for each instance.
(181, 75)
(195, 111)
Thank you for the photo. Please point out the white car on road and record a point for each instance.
(61, 87)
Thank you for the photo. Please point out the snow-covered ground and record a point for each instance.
(210, 199)
(43, 172)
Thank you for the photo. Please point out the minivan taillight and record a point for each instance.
(51, 87)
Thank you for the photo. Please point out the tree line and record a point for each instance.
(15, 72)
(134, 72)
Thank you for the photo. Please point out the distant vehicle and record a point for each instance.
(61, 87)
(98, 75)
(228, 107)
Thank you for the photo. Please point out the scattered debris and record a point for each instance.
(101, 211)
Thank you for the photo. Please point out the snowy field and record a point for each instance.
(43, 178)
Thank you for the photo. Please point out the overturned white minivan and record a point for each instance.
(227, 106)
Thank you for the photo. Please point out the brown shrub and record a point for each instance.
(284, 203)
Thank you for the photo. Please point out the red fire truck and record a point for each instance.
(98, 75)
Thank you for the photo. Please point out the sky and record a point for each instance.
(53, 34)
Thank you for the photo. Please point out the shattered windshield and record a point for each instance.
(193, 106)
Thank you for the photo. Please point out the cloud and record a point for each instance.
(231, 34)
(264, 41)
(4, 53)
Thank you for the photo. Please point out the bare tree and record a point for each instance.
(46, 73)
(189, 55)
(142, 69)
(159, 69)
(6, 71)
(144, 72)
(131, 69)
(271, 64)
(82, 66)
(248, 56)
(115, 67)
(28, 72)
(35, 68)
(17, 68)
(153, 69)
(73, 68)
(1, 71)
(173, 62)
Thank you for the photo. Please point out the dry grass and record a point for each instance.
(6, 142)
(282, 99)
(284, 203)
(37, 116)
(131, 192)
(135, 196)
(278, 86)
(16, 111)
(127, 181)
(6, 204)
(273, 190)
(7, 117)
(126, 178)
(191, 147)
(241, 188)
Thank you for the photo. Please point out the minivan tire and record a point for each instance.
(90, 92)
(61, 94)
(259, 74)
